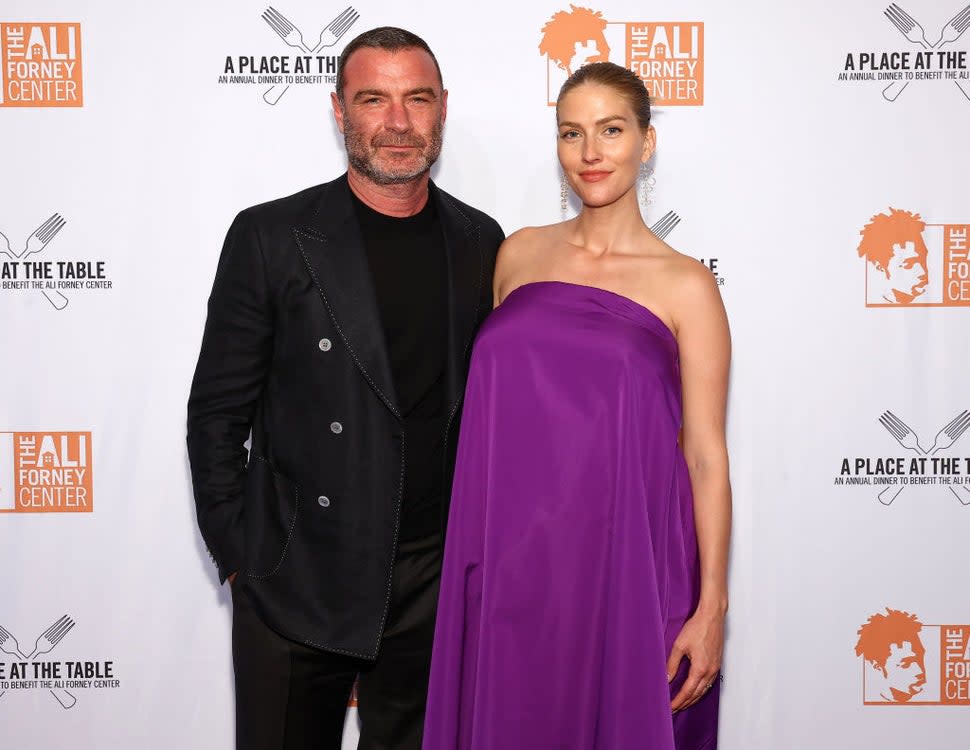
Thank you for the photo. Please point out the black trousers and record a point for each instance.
(294, 697)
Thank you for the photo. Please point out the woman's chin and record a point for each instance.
(600, 200)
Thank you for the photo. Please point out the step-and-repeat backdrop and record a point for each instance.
(814, 157)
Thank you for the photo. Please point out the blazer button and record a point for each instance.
(336, 428)
(324, 501)
(325, 345)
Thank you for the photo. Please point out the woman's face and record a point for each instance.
(601, 145)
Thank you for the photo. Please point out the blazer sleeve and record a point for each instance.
(494, 237)
(233, 364)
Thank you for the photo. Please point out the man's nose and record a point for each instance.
(396, 118)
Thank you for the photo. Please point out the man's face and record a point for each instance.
(392, 115)
(907, 270)
(905, 673)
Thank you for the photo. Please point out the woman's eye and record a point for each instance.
(569, 135)
(613, 130)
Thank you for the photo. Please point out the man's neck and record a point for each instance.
(405, 199)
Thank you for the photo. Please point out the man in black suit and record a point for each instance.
(338, 336)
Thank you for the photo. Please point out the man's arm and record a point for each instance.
(233, 363)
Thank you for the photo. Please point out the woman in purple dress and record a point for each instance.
(584, 587)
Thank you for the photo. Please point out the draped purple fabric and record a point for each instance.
(571, 557)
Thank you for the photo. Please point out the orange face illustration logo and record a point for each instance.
(572, 39)
(893, 244)
(668, 56)
(906, 662)
(915, 263)
(892, 648)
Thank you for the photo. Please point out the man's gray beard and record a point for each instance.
(359, 157)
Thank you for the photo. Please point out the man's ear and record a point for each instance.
(444, 105)
(338, 111)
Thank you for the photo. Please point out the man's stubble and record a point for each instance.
(361, 153)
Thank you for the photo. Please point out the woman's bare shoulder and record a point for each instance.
(690, 291)
(520, 252)
(687, 276)
(528, 237)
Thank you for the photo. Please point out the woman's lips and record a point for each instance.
(593, 176)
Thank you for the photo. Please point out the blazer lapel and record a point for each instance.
(466, 268)
(333, 251)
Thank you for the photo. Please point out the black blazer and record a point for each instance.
(293, 355)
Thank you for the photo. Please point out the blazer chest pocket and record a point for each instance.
(270, 508)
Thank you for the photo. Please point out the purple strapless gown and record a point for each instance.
(571, 557)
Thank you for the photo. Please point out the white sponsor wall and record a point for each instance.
(772, 178)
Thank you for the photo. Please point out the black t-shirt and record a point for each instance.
(409, 270)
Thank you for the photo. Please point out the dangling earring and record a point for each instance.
(563, 193)
(645, 185)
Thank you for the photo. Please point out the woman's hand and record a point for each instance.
(701, 640)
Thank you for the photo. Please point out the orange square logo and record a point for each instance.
(46, 472)
(668, 56)
(956, 265)
(955, 669)
(41, 65)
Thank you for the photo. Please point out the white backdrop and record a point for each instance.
(772, 177)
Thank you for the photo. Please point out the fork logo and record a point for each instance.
(931, 58)
(920, 466)
(307, 67)
(33, 669)
(22, 271)
(911, 262)
(668, 56)
(24, 676)
(666, 224)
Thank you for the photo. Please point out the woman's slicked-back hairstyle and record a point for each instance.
(625, 82)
